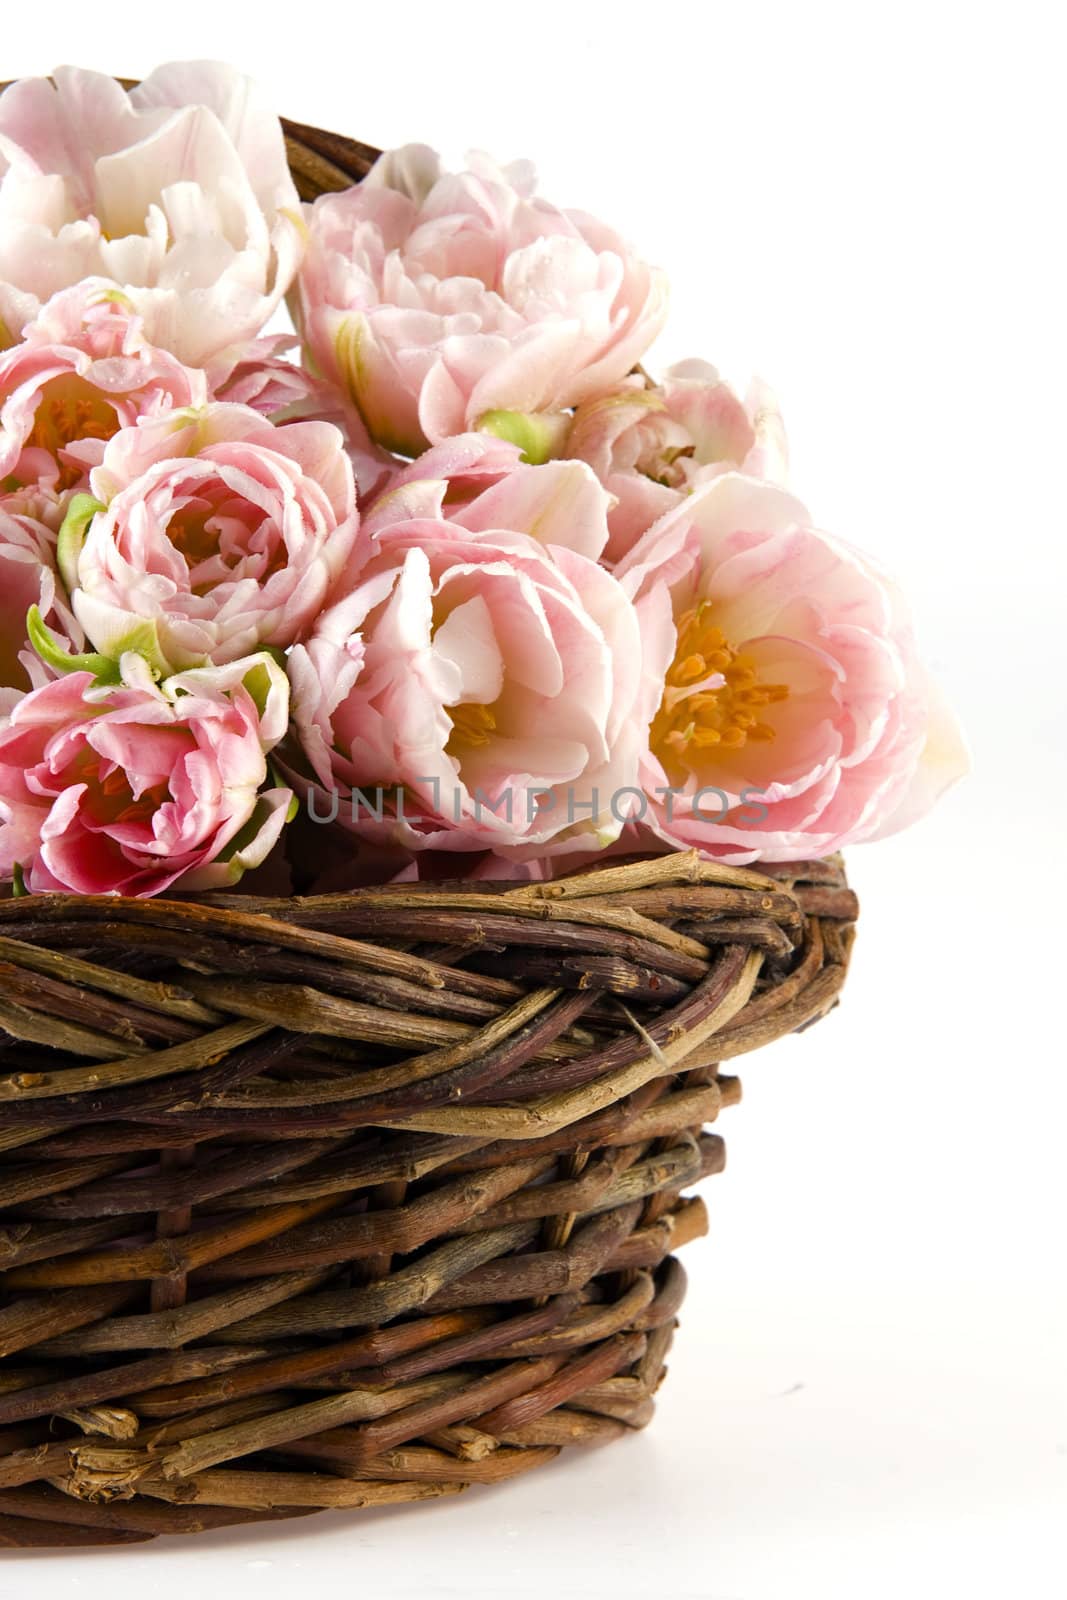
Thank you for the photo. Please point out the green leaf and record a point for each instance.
(539, 434)
(18, 882)
(248, 848)
(257, 680)
(276, 781)
(80, 512)
(143, 640)
(51, 652)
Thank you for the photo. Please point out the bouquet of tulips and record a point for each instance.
(445, 585)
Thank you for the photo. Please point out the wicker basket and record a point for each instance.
(362, 1198)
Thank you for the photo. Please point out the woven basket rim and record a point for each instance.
(370, 1204)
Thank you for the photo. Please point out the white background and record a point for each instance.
(866, 206)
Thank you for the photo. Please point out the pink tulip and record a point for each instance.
(464, 466)
(257, 374)
(28, 577)
(179, 191)
(485, 673)
(651, 445)
(219, 533)
(136, 787)
(82, 372)
(440, 300)
(793, 714)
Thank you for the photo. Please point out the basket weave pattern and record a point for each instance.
(362, 1198)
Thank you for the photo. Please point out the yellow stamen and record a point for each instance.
(69, 410)
(693, 720)
(472, 727)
